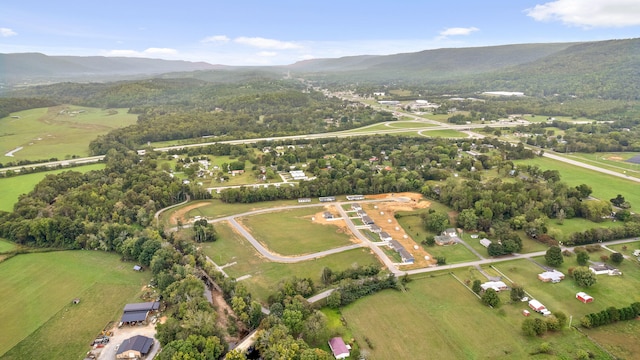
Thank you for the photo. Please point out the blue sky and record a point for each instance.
(275, 32)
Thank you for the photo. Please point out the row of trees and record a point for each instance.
(611, 315)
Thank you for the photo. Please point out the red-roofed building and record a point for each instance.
(338, 348)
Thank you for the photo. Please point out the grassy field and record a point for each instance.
(410, 125)
(445, 133)
(574, 225)
(12, 187)
(59, 131)
(216, 208)
(611, 161)
(38, 318)
(292, 232)
(6, 245)
(449, 324)
(232, 247)
(604, 186)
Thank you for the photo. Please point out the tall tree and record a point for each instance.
(553, 257)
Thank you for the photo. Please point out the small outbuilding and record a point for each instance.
(137, 268)
(485, 242)
(536, 305)
(338, 348)
(584, 297)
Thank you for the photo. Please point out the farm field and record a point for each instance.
(232, 247)
(293, 232)
(604, 187)
(12, 187)
(58, 131)
(446, 325)
(38, 319)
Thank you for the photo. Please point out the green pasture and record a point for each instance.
(216, 208)
(617, 291)
(59, 131)
(232, 247)
(451, 324)
(611, 161)
(6, 245)
(444, 133)
(12, 187)
(604, 186)
(292, 232)
(630, 247)
(38, 319)
(410, 125)
(620, 339)
(570, 226)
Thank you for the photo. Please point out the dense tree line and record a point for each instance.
(611, 315)
(15, 104)
(351, 290)
(100, 209)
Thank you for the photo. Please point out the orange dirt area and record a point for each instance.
(337, 221)
(181, 214)
(383, 215)
(616, 158)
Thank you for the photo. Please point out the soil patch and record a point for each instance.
(383, 215)
(182, 212)
(337, 221)
(615, 158)
(225, 317)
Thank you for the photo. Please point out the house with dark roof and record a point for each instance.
(375, 228)
(404, 254)
(338, 348)
(135, 347)
(138, 312)
(367, 220)
(384, 236)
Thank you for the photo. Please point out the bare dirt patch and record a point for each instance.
(337, 221)
(615, 158)
(181, 213)
(225, 317)
(383, 215)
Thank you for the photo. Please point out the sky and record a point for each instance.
(280, 32)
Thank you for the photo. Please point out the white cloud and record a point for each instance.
(306, 57)
(6, 32)
(267, 53)
(146, 53)
(160, 51)
(457, 31)
(266, 43)
(595, 13)
(215, 39)
(121, 53)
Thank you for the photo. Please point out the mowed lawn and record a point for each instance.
(6, 245)
(604, 186)
(12, 187)
(231, 247)
(438, 318)
(292, 232)
(38, 319)
(58, 131)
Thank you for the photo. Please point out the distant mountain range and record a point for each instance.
(38, 68)
(602, 68)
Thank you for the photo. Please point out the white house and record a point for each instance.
(485, 242)
(553, 276)
(604, 269)
(495, 285)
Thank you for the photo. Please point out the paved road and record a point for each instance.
(501, 259)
